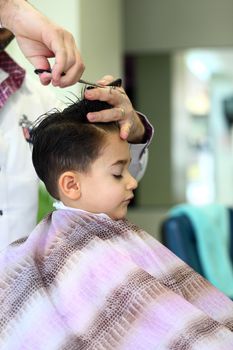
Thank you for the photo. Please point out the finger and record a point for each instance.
(73, 71)
(43, 63)
(68, 60)
(108, 94)
(125, 128)
(45, 78)
(106, 80)
(59, 49)
(38, 59)
(73, 74)
(106, 115)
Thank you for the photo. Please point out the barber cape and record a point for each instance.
(83, 281)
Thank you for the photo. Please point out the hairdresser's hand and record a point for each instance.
(131, 127)
(40, 39)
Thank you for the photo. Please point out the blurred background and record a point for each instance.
(176, 61)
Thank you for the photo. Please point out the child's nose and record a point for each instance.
(132, 183)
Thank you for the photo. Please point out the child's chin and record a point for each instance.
(118, 216)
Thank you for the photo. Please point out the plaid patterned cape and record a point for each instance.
(82, 281)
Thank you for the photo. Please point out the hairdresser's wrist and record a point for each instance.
(5, 10)
(8, 10)
(137, 131)
(14, 13)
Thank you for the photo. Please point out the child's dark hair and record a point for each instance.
(66, 140)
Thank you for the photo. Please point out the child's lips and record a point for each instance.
(129, 199)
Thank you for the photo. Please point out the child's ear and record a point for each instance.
(69, 185)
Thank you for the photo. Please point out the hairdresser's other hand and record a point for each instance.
(131, 127)
(40, 39)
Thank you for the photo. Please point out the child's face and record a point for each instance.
(108, 186)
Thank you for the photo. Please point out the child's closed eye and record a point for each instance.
(117, 176)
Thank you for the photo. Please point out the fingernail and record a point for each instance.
(55, 83)
(88, 93)
(91, 117)
(102, 82)
(123, 135)
(45, 81)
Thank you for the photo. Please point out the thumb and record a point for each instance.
(124, 130)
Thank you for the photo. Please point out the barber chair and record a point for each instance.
(178, 235)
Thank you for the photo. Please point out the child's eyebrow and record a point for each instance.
(121, 162)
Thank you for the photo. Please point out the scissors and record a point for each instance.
(115, 83)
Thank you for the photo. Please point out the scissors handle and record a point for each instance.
(40, 71)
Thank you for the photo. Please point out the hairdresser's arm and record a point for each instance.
(139, 151)
(134, 127)
(39, 39)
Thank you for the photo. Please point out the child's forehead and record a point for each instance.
(115, 148)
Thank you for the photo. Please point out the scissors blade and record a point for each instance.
(116, 83)
(82, 81)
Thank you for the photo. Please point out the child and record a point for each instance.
(86, 278)
(89, 162)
